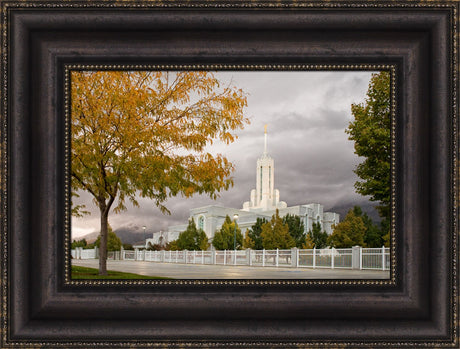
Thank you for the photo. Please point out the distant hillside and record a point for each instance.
(131, 235)
(127, 235)
(90, 238)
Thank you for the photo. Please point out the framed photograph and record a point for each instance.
(229, 174)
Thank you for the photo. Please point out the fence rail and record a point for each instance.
(346, 258)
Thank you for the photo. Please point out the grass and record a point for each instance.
(84, 273)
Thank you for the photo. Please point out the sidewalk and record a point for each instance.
(197, 271)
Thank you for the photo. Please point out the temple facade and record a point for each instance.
(263, 203)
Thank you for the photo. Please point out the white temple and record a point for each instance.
(264, 201)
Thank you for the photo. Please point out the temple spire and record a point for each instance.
(265, 143)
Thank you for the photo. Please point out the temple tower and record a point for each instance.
(264, 197)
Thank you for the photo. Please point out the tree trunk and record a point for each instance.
(103, 244)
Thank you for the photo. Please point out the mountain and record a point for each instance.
(127, 235)
(131, 236)
(90, 238)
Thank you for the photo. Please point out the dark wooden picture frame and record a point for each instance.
(419, 307)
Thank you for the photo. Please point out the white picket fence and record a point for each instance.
(346, 258)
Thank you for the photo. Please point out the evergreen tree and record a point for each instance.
(128, 247)
(296, 228)
(192, 238)
(318, 237)
(113, 241)
(224, 239)
(348, 233)
(253, 237)
(373, 236)
(275, 234)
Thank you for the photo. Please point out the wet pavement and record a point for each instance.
(197, 271)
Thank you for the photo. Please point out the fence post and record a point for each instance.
(202, 256)
(248, 257)
(234, 257)
(332, 258)
(356, 257)
(263, 257)
(213, 256)
(96, 252)
(294, 261)
(121, 253)
(383, 257)
(225, 257)
(185, 256)
(360, 258)
(314, 257)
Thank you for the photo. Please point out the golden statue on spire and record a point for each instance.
(265, 128)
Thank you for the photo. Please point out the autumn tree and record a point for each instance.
(371, 132)
(224, 238)
(143, 134)
(348, 233)
(308, 244)
(192, 238)
(253, 238)
(296, 228)
(275, 234)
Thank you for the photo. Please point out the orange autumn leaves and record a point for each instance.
(144, 133)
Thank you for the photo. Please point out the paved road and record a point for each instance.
(190, 271)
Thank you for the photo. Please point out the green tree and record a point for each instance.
(296, 229)
(275, 234)
(224, 239)
(348, 233)
(371, 133)
(128, 247)
(113, 241)
(373, 236)
(192, 238)
(138, 133)
(78, 243)
(317, 237)
(172, 246)
(253, 237)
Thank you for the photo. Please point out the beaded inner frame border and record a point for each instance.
(223, 67)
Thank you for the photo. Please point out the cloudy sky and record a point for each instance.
(306, 113)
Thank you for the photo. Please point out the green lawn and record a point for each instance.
(91, 273)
